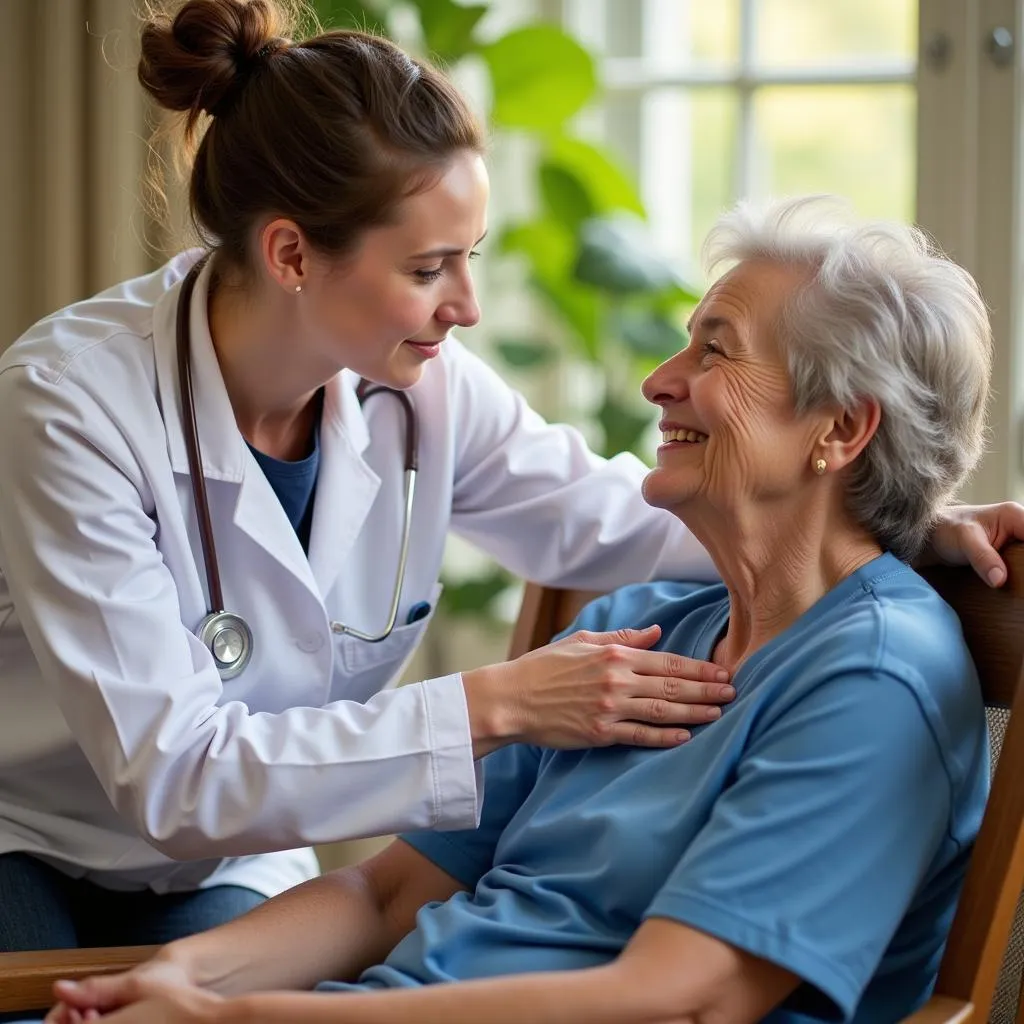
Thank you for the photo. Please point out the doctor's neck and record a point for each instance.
(272, 389)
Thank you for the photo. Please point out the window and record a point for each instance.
(710, 102)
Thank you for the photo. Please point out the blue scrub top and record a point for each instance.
(294, 482)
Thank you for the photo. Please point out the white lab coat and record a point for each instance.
(123, 756)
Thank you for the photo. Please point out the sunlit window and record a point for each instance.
(712, 101)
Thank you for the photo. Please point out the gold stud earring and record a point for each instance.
(820, 466)
(298, 288)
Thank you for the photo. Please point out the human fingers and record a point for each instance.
(662, 713)
(977, 547)
(669, 665)
(59, 1014)
(101, 992)
(636, 734)
(641, 638)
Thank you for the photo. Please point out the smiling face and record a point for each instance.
(385, 310)
(730, 436)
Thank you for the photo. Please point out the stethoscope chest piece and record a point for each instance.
(229, 640)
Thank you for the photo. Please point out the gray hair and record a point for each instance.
(884, 315)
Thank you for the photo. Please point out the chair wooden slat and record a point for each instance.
(943, 1010)
(992, 621)
(26, 979)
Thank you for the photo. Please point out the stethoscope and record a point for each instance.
(227, 635)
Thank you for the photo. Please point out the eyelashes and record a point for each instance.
(433, 273)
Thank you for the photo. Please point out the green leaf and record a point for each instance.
(550, 249)
(608, 186)
(648, 333)
(540, 77)
(618, 255)
(448, 27)
(475, 596)
(549, 246)
(581, 308)
(524, 354)
(367, 17)
(623, 426)
(679, 296)
(565, 197)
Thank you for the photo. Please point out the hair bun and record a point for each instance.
(202, 57)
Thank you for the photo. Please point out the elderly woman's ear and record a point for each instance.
(846, 435)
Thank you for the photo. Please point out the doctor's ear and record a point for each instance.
(285, 254)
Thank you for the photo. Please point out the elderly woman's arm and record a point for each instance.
(668, 974)
(332, 926)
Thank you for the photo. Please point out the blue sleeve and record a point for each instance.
(468, 854)
(812, 855)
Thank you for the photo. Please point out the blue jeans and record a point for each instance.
(42, 908)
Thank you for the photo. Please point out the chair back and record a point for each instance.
(979, 953)
(985, 951)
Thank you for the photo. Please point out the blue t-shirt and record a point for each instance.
(823, 823)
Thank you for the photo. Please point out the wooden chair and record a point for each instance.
(993, 622)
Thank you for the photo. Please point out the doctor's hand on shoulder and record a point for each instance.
(594, 689)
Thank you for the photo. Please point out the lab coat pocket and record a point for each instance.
(393, 651)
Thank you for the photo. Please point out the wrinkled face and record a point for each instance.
(386, 311)
(730, 437)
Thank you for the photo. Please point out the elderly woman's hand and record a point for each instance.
(975, 533)
(87, 1000)
(162, 1003)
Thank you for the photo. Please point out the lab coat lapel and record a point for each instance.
(225, 455)
(346, 486)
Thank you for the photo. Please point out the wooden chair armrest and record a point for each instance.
(26, 979)
(942, 1010)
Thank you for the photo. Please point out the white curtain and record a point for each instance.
(74, 123)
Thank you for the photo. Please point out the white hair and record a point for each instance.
(884, 315)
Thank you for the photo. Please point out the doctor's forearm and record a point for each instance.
(329, 927)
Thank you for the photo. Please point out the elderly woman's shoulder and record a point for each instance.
(895, 627)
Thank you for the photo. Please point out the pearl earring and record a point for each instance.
(820, 466)
(298, 288)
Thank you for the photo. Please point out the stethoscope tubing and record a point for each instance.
(195, 462)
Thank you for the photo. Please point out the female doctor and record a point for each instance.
(205, 581)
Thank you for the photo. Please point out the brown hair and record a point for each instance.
(331, 132)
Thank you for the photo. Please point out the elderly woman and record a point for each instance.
(800, 859)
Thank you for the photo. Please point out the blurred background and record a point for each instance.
(620, 129)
